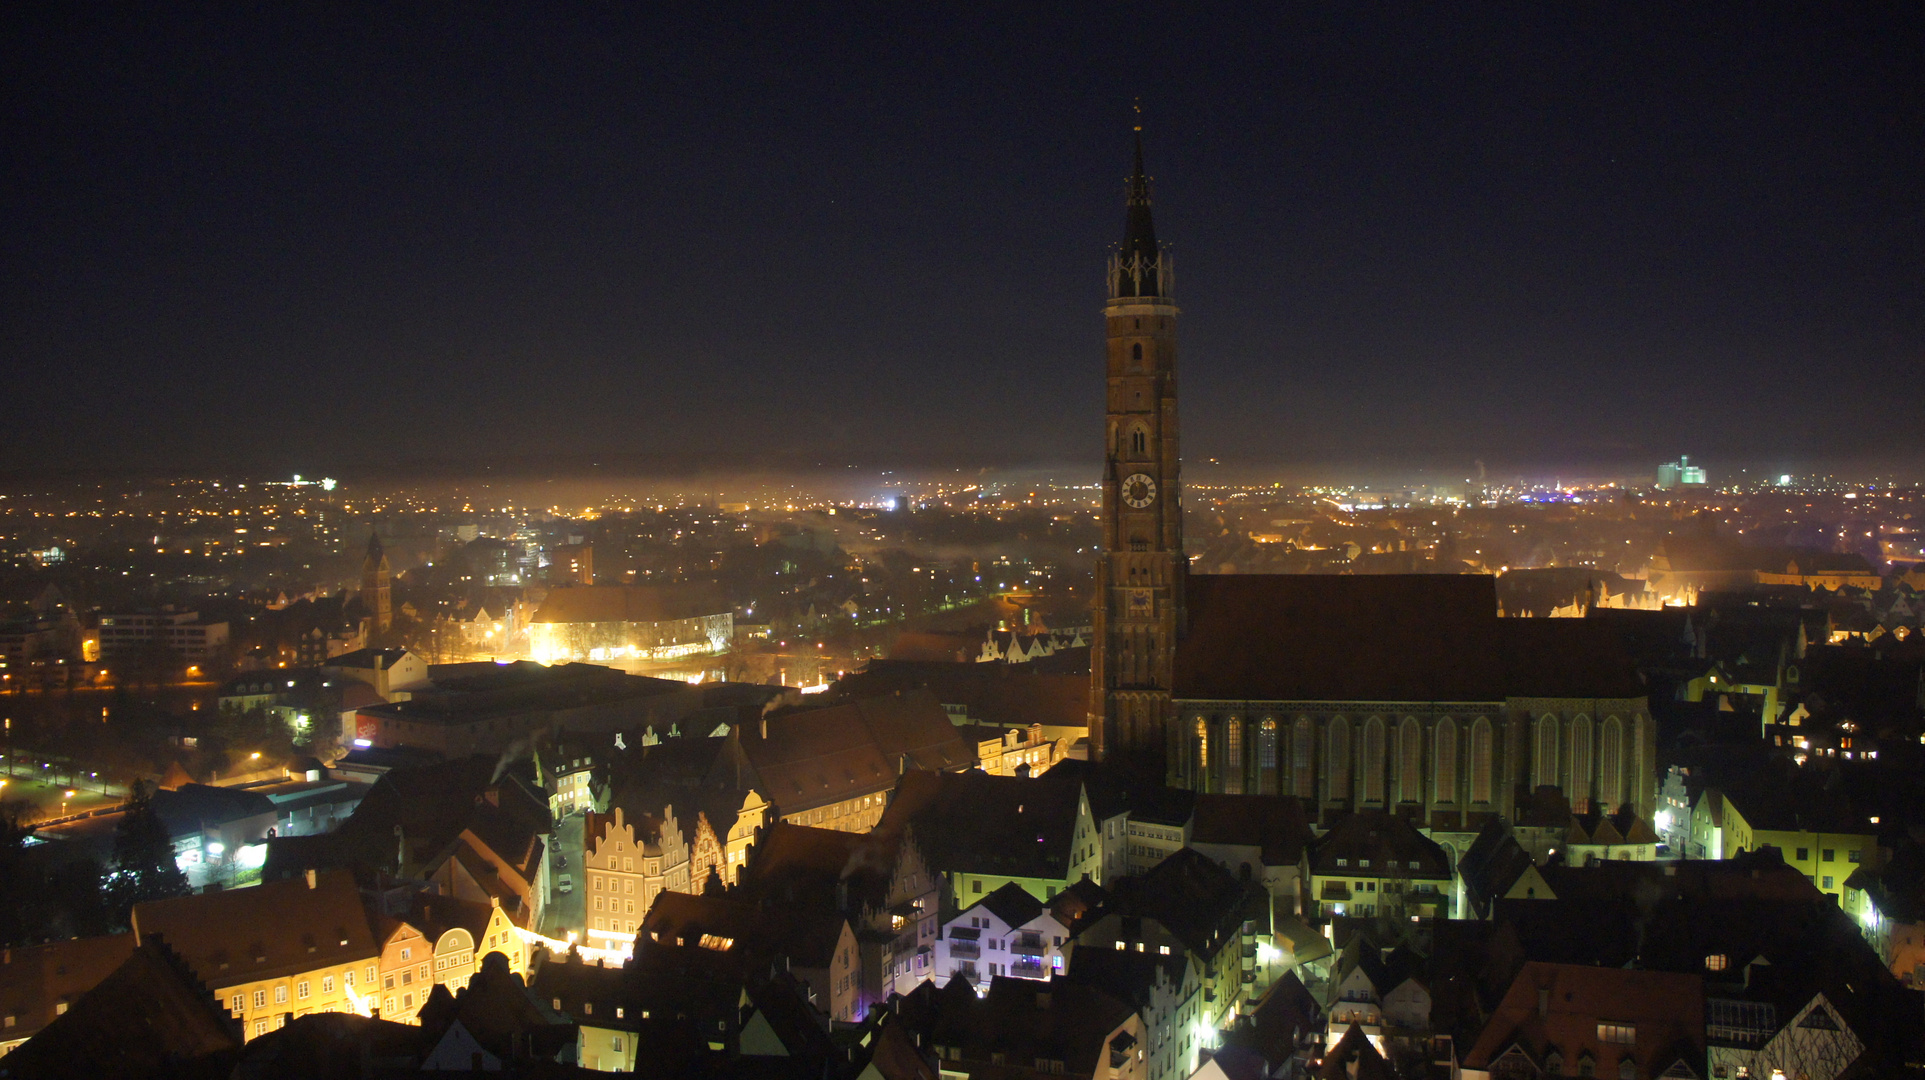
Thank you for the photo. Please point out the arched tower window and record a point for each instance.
(1581, 763)
(1545, 767)
(1139, 440)
(1337, 768)
(1443, 762)
(1373, 762)
(1611, 764)
(1480, 760)
(1136, 352)
(1410, 761)
(1302, 752)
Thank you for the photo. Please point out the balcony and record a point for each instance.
(1028, 945)
(1028, 969)
(969, 950)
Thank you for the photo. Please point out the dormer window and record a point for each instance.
(1716, 962)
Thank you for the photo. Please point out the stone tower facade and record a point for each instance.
(1140, 573)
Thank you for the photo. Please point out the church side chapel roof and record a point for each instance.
(1384, 638)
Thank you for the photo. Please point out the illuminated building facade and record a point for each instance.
(630, 622)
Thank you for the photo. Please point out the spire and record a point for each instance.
(1139, 233)
(375, 552)
(1139, 262)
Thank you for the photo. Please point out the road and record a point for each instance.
(566, 912)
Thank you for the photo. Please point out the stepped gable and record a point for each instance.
(150, 1017)
(1289, 637)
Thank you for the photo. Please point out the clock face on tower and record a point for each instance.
(1139, 491)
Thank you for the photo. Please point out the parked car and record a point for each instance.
(565, 884)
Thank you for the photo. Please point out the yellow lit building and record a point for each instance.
(1822, 842)
(275, 951)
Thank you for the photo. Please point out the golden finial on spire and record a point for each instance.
(1137, 104)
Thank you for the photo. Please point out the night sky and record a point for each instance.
(347, 236)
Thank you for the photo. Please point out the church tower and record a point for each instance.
(376, 601)
(1140, 573)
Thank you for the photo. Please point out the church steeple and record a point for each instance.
(1140, 267)
(1140, 576)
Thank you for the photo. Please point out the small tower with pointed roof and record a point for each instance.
(376, 600)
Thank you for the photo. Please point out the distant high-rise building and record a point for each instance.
(1680, 473)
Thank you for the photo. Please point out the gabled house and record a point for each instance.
(1007, 932)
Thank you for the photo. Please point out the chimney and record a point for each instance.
(312, 877)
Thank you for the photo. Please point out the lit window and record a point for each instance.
(1715, 962)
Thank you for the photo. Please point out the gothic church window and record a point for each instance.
(1443, 763)
(1203, 744)
(1337, 772)
(1410, 761)
(1301, 752)
(1373, 760)
(1611, 762)
(1546, 763)
(1233, 756)
(1580, 762)
(1267, 745)
(1480, 760)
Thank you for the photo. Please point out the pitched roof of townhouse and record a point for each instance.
(1028, 1020)
(755, 933)
(36, 980)
(1375, 844)
(1284, 1018)
(568, 983)
(1273, 824)
(1492, 865)
(434, 915)
(1196, 900)
(148, 1014)
(496, 1007)
(1560, 1006)
(1014, 905)
(1794, 807)
(273, 929)
(975, 823)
